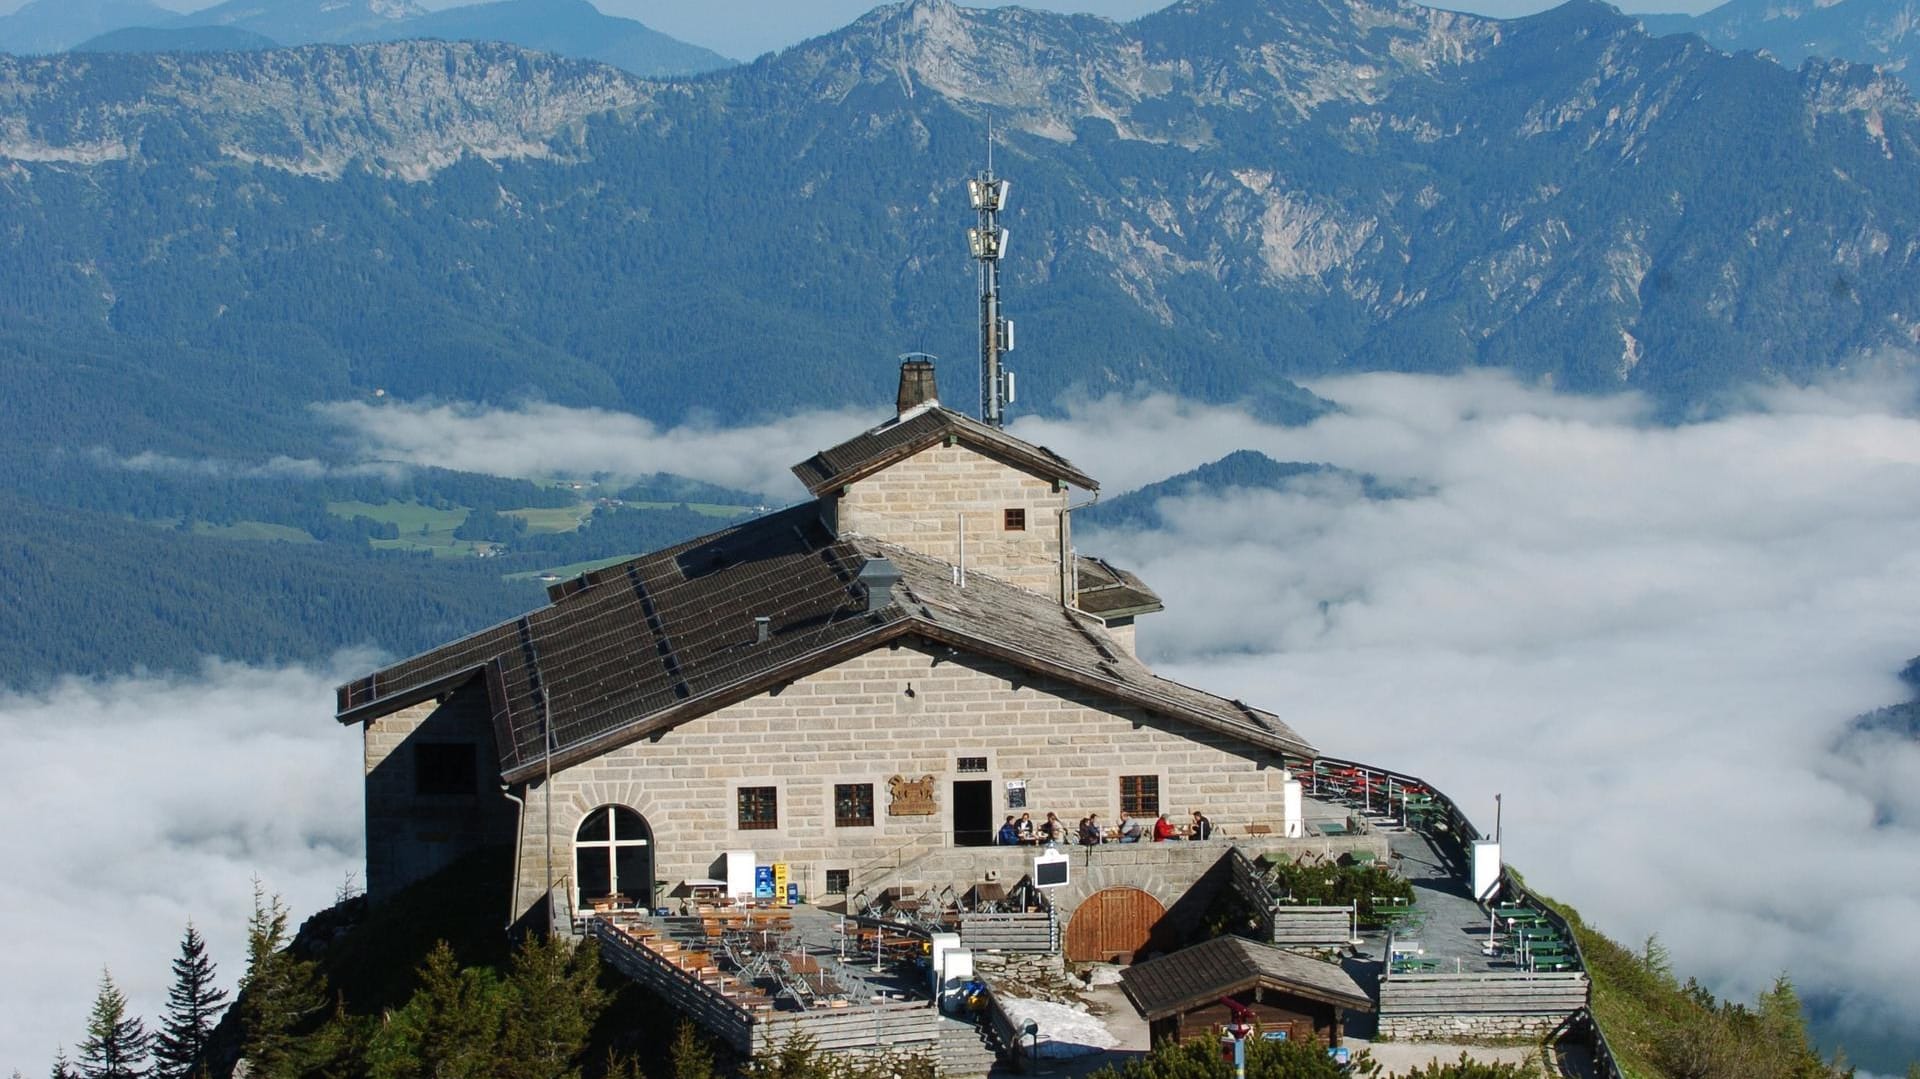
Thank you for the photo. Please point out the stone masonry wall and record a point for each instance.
(412, 835)
(909, 710)
(916, 503)
(1467, 1028)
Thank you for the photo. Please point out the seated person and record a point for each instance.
(1201, 828)
(1025, 828)
(1090, 830)
(1009, 833)
(1128, 829)
(1164, 830)
(1052, 830)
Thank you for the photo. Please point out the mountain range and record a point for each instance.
(1885, 33)
(572, 28)
(1216, 199)
(1220, 200)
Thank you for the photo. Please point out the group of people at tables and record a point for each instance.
(1091, 833)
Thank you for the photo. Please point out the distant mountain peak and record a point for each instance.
(302, 22)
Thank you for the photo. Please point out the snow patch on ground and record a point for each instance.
(1103, 974)
(1065, 1031)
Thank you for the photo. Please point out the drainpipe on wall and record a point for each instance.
(1069, 574)
(519, 838)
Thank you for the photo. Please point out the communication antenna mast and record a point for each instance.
(987, 243)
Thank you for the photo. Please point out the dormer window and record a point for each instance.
(1016, 520)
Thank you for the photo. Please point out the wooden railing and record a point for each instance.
(705, 1005)
(1519, 992)
(1032, 931)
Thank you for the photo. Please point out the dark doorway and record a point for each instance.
(973, 813)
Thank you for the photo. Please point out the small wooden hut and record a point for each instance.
(1180, 994)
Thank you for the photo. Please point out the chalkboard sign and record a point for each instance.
(1050, 870)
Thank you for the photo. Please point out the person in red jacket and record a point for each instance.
(1163, 829)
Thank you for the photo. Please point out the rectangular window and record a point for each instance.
(853, 805)
(837, 881)
(1016, 520)
(759, 808)
(971, 764)
(1140, 796)
(443, 768)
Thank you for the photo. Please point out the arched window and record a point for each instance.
(613, 857)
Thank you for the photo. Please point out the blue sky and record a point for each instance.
(746, 28)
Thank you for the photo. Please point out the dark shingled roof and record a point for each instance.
(909, 433)
(1197, 976)
(636, 648)
(1105, 589)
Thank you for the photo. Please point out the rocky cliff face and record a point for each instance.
(1212, 199)
(404, 110)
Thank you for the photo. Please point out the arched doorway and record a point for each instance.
(613, 858)
(1112, 924)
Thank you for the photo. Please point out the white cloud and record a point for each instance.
(273, 468)
(540, 440)
(139, 803)
(1650, 639)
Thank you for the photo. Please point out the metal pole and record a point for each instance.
(546, 786)
(1239, 1054)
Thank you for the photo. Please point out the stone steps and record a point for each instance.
(963, 1051)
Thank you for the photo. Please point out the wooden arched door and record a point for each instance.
(1112, 924)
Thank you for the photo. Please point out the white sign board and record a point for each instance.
(1050, 870)
(1486, 869)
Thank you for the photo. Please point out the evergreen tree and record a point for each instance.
(338, 1050)
(283, 996)
(117, 1045)
(62, 1067)
(449, 1029)
(553, 997)
(193, 1004)
(691, 1057)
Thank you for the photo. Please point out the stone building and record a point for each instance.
(888, 669)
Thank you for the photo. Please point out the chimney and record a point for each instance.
(916, 382)
(879, 576)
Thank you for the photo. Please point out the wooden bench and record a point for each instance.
(1259, 829)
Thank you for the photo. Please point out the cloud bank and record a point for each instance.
(540, 440)
(140, 803)
(1651, 640)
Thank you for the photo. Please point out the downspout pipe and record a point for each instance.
(519, 841)
(1069, 573)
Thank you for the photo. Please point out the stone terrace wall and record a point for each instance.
(1468, 1028)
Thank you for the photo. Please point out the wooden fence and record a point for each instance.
(1312, 927)
(1030, 931)
(1502, 993)
(899, 1024)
